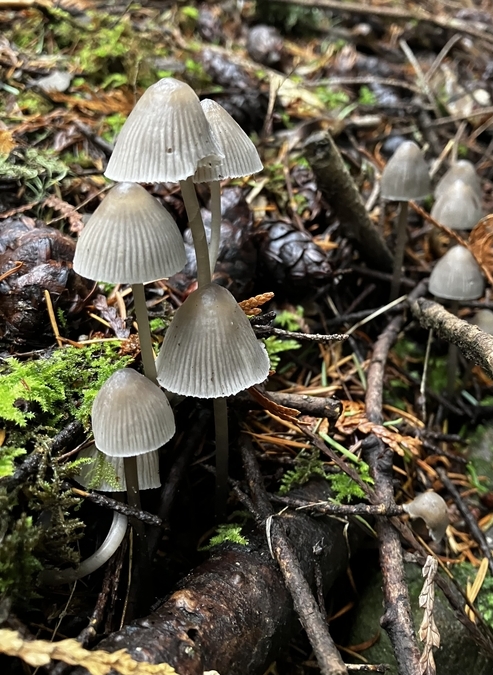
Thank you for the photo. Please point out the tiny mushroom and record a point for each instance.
(462, 170)
(432, 509)
(458, 207)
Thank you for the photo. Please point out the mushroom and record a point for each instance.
(484, 319)
(90, 474)
(404, 178)
(458, 207)
(456, 277)
(130, 238)
(432, 509)
(462, 170)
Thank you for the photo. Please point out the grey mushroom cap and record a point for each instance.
(457, 276)
(210, 349)
(406, 175)
(130, 238)
(458, 207)
(432, 509)
(484, 319)
(462, 170)
(90, 474)
(165, 137)
(131, 415)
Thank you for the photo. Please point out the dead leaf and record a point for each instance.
(251, 306)
(7, 143)
(288, 414)
(66, 211)
(481, 243)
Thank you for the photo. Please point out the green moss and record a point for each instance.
(275, 346)
(18, 564)
(32, 103)
(226, 533)
(308, 464)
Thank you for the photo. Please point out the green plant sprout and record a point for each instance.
(275, 346)
(226, 533)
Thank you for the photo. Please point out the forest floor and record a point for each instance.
(388, 422)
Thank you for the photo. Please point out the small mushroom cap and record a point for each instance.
(458, 207)
(462, 170)
(240, 155)
(210, 349)
(431, 508)
(406, 175)
(90, 474)
(130, 238)
(165, 137)
(131, 415)
(457, 276)
(484, 319)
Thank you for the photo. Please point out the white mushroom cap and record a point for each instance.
(457, 276)
(405, 175)
(484, 319)
(210, 349)
(431, 508)
(458, 207)
(130, 238)
(147, 470)
(240, 155)
(462, 170)
(165, 137)
(131, 415)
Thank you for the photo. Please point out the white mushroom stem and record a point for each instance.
(400, 245)
(109, 546)
(215, 188)
(145, 337)
(198, 232)
(222, 452)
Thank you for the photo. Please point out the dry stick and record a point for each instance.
(475, 344)
(472, 524)
(308, 337)
(338, 188)
(313, 622)
(397, 619)
(340, 509)
(120, 507)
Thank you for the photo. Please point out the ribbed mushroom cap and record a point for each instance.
(458, 207)
(240, 155)
(484, 319)
(462, 170)
(210, 349)
(165, 137)
(130, 238)
(131, 415)
(457, 276)
(89, 474)
(406, 175)
(431, 508)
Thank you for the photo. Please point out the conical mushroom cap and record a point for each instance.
(462, 170)
(406, 175)
(130, 238)
(431, 508)
(457, 276)
(484, 319)
(458, 207)
(131, 415)
(89, 474)
(165, 138)
(240, 155)
(210, 349)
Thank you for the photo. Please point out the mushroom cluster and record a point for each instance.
(210, 349)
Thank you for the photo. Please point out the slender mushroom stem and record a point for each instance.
(198, 232)
(400, 245)
(145, 338)
(222, 451)
(453, 356)
(215, 188)
(113, 540)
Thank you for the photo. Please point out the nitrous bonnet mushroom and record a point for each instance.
(462, 170)
(432, 509)
(458, 207)
(457, 276)
(89, 474)
(404, 178)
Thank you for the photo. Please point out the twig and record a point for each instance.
(315, 406)
(308, 337)
(315, 625)
(340, 509)
(120, 507)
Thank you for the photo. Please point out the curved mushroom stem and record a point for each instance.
(215, 188)
(222, 452)
(198, 233)
(145, 338)
(109, 546)
(400, 245)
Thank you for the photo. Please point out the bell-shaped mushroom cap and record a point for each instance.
(484, 319)
(210, 349)
(406, 175)
(431, 508)
(131, 415)
(130, 238)
(91, 476)
(240, 155)
(165, 137)
(462, 170)
(457, 276)
(458, 207)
